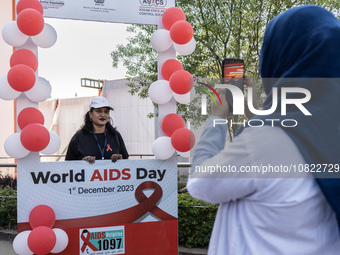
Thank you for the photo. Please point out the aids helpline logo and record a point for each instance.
(238, 104)
(105, 240)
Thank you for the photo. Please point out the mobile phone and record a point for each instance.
(233, 73)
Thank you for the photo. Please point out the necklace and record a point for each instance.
(105, 142)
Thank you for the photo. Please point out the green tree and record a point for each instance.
(222, 29)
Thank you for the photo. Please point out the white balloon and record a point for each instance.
(160, 92)
(162, 148)
(53, 145)
(160, 40)
(185, 49)
(6, 91)
(185, 98)
(12, 35)
(14, 148)
(20, 245)
(40, 91)
(47, 37)
(62, 240)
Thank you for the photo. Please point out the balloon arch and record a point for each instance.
(28, 32)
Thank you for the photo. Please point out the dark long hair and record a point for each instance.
(88, 126)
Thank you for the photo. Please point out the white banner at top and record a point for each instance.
(145, 12)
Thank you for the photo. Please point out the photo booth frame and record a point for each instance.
(145, 219)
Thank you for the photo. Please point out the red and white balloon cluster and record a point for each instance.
(176, 83)
(177, 32)
(34, 136)
(21, 78)
(177, 138)
(29, 24)
(42, 239)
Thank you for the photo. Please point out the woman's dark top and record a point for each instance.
(85, 144)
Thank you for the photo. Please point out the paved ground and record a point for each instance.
(6, 238)
(6, 248)
(193, 251)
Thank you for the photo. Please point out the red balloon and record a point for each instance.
(181, 82)
(171, 123)
(181, 32)
(30, 22)
(21, 77)
(26, 57)
(34, 4)
(41, 240)
(28, 116)
(169, 67)
(183, 139)
(42, 215)
(35, 137)
(172, 15)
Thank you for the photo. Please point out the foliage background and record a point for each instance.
(195, 221)
(222, 29)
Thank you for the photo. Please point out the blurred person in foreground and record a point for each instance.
(280, 215)
(97, 139)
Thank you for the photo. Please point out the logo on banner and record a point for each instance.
(98, 240)
(154, 3)
(99, 1)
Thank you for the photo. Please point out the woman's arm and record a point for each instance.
(213, 178)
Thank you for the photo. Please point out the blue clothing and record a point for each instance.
(301, 48)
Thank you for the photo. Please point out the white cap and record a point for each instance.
(99, 102)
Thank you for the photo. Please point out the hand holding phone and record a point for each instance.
(221, 110)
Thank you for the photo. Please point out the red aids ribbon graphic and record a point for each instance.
(108, 148)
(152, 200)
(86, 241)
(130, 215)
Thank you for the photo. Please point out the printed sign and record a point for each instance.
(127, 207)
(96, 240)
(127, 11)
